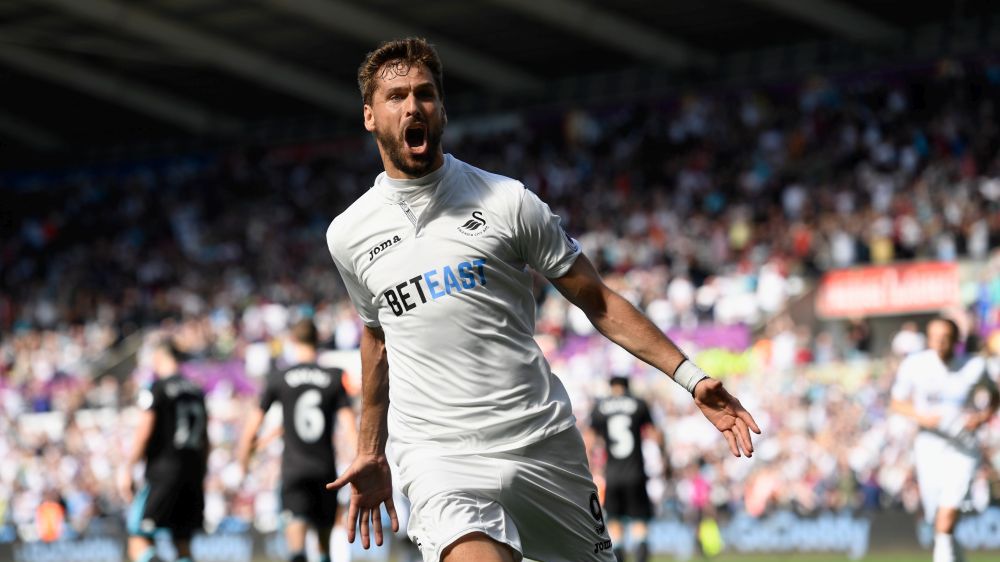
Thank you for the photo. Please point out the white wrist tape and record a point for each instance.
(689, 375)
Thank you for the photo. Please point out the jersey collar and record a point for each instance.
(396, 190)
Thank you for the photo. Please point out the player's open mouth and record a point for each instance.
(415, 137)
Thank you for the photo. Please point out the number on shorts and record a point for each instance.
(620, 433)
(309, 419)
(190, 424)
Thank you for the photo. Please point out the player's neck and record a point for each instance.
(306, 356)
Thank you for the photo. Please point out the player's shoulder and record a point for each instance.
(916, 360)
(496, 187)
(492, 179)
(640, 402)
(349, 225)
(181, 385)
(973, 367)
(275, 378)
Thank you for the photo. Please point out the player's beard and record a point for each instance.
(414, 165)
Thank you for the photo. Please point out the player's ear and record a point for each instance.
(444, 115)
(369, 118)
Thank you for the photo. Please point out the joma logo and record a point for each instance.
(380, 247)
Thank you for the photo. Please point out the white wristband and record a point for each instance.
(689, 375)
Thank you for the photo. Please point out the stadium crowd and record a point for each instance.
(704, 209)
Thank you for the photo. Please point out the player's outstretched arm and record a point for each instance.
(369, 476)
(623, 324)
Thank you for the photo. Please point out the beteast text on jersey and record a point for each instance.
(438, 283)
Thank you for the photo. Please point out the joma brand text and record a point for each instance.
(379, 248)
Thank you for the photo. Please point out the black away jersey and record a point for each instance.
(310, 397)
(619, 421)
(179, 444)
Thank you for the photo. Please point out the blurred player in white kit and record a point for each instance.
(949, 400)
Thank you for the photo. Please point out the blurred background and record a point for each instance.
(789, 188)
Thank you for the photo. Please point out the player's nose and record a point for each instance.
(410, 105)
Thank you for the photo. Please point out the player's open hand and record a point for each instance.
(727, 415)
(371, 486)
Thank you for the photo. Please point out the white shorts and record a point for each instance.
(944, 473)
(540, 500)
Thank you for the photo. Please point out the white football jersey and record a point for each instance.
(441, 264)
(939, 390)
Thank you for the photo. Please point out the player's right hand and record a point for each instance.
(371, 486)
(727, 415)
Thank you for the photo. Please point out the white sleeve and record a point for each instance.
(989, 372)
(993, 369)
(902, 387)
(540, 239)
(364, 301)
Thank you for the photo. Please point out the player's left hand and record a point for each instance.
(727, 415)
(371, 486)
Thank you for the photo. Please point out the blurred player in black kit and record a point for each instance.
(310, 397)
(619, 420)
(172, 437)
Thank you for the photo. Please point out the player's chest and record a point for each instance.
(451, 252)
(947, 388)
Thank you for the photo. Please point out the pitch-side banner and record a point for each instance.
(780, 533)
(891, 289)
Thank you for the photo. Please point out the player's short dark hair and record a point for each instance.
(304, 332)
(619, 381)
(956, 334)
(407, 52)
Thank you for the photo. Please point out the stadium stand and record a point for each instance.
(707, 209)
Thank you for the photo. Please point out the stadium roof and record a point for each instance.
(80, 75)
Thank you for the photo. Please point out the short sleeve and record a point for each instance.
(147, 398)
(270, 394)
(985, 377)
(363, 299)
(540, 239)
(993, 369)
(902, 387)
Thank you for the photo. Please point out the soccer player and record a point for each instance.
(310, 397)
(619, 420)
(172, 437)
(938, 396)
(456, 394)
